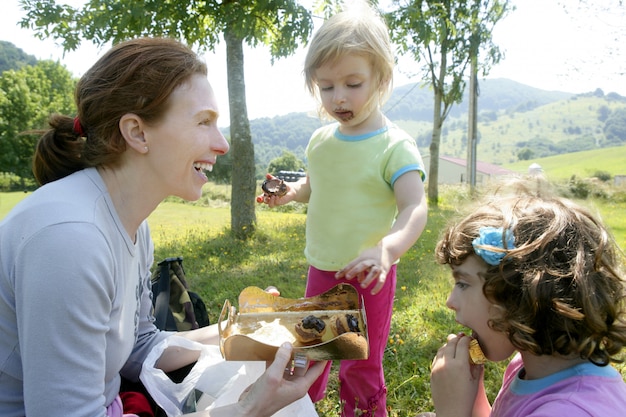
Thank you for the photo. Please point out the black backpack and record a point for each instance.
(176, 308)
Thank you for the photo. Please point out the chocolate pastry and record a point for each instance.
(343, 323)
(274, 186)
(310, 330)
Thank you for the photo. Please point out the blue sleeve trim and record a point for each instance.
(403, 170)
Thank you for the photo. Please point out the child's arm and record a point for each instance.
(482, 408)
(456, 386)
(373, 264)
(296, 191)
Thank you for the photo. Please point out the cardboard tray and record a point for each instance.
(265, 321)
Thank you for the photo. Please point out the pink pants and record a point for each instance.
(362, 382)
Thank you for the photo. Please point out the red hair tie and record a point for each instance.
(78, 128)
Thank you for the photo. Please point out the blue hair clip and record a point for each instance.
(492, 237)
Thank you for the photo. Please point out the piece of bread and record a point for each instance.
(476, 355)
(310, 330)
(343, 323)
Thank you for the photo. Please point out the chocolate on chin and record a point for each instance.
(310, 330)
(476, 355)
(344, 323)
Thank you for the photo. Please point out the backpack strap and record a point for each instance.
(164, 319)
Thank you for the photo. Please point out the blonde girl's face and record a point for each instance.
(346, 87)
(472, 309)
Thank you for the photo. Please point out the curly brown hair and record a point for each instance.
(562, 287)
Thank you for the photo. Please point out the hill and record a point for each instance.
(415, 101)
(12, 57)
(571, 125)
(515, 122)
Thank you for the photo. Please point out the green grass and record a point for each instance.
(581, 164)
(8, 200)
(499, 140)
(219, 267)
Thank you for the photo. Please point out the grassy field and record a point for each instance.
(8, 200)
(219, 267)
(581, 164)
(502, 134)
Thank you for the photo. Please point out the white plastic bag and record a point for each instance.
(220, 381)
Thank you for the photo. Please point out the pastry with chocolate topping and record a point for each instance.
(344, 323)
(310, 330)
(274, 186)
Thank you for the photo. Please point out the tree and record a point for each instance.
(441, 34)
(615, 127)
(27, 97)
(525, 154)
(280, 24)
(603, 113)
(286, 162)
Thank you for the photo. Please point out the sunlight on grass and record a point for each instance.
(9, 200)
(219, 267)
(581, 164)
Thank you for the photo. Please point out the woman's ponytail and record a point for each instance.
(58, 151)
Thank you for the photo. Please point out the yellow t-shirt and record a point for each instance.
(352, 203)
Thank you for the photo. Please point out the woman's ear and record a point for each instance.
(131, 127)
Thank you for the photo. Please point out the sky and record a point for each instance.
(546, 45)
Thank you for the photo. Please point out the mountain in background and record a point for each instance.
(12, 57)
(515, 122)
(494, 95)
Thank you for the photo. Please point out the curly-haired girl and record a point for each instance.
(539, 275)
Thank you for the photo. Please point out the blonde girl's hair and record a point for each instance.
(562, 288)
(358, 30)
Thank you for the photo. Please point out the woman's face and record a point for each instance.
(345, 88)
(186, 141)
(474, 310)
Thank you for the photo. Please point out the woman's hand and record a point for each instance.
(274, 390)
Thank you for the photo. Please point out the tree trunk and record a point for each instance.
(433, 174)
(242, 209)
(439, 116)
(471, 124)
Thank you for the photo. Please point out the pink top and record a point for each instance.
(580, 391)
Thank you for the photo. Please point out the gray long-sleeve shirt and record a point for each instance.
(75, 307)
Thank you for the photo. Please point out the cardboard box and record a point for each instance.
(265, 321)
